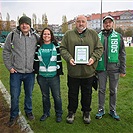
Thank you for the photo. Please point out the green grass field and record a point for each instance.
(105, 125)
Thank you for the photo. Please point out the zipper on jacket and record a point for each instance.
(25, 54)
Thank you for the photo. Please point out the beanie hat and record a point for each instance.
(108, 17)
(25, 19)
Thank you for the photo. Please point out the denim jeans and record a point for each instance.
(16, 80)
(74, 85)
(53, 83)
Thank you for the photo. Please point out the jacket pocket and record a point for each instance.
(17, 63)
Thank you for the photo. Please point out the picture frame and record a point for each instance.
(81, 54)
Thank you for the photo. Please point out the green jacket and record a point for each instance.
(88, 37)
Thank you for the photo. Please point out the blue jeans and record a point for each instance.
(16, 80)
(46, 84)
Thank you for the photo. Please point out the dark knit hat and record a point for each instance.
(25, 19)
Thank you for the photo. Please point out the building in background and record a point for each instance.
(122, 19)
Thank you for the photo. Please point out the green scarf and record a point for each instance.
(113, 49)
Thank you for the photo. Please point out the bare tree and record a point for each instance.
(44, 21)
(18, 20)
(34, 19)
(129, 32)
(39, 21)
(1, 22)
(64, 24)
(8, 22)
(120, 30)
(24, 14)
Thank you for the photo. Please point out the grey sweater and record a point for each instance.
(20, 54)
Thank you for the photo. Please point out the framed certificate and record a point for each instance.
(81, 54)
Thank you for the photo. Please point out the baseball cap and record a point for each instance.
(108, 17)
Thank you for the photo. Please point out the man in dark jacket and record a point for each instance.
(111, 65)
(81, 66)
(18, 56)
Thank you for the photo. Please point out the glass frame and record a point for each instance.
(81, 54)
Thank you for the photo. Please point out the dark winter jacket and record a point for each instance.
(72, 38)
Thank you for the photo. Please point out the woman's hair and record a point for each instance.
(41, 41)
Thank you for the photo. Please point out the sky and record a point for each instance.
(55, 9)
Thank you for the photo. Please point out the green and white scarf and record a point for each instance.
(113, 49)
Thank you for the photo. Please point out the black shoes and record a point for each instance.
(58, 119)
(44, 117)
(30, 116)
(12, 122)
(86, 118)
(70, 117)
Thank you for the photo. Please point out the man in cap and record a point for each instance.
(111, 65)
(18, 56)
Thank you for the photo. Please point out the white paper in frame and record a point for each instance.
(81, 54)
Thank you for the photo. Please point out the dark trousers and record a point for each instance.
(74, 84)
(46, 84)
